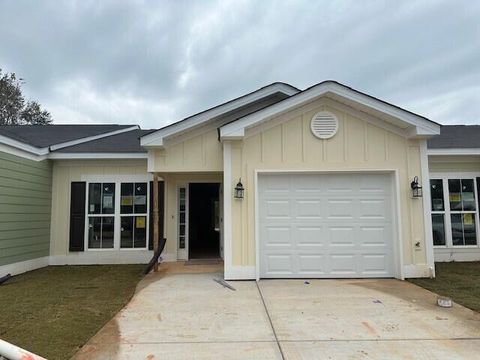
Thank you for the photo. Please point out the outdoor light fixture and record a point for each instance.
(239, 190)
(416, 189)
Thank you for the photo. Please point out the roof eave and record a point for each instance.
(419, 126)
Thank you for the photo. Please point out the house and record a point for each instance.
(326, 182)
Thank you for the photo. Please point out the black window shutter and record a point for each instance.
(161, 212)
(77, 216)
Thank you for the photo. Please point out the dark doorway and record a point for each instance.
(203, 224)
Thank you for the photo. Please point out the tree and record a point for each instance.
(14, 109)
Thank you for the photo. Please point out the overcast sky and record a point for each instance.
(155, 62)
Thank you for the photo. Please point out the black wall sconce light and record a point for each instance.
(239, 190)
(416, 189)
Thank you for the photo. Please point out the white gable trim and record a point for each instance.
(96, 155)
(22, 146)
(422, 126)
(157, 138)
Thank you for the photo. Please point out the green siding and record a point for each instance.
(25, 208)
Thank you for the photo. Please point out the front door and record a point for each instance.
(204, 221)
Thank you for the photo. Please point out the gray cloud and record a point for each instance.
(153, 63)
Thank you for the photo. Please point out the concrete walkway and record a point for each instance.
(181, 313)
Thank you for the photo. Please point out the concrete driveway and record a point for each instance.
(181, 313)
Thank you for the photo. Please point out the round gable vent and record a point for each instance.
(324, 125)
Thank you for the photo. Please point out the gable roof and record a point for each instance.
(413, 124)
(456, 140)
(269, 94)
(127, 142)
(47, 135)
(40, 140)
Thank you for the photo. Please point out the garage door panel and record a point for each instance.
(340, 209)
(341, 236)
(311, 264)
(278, 265)
(277, 236)
(308, 209)
(277, 209)
(309, 236)
(332, 225)
(375, 264)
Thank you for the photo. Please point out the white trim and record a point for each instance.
(236, 129)
(22, 146)
(240, 273)
(108, 257)
(21, 153)
(427, 210)
(399, 267)
(156, 138)
(227, 211)
(24, 266)
(59, 156)
(91, 138)
(454, 151)
(416, 271)
(398, 225)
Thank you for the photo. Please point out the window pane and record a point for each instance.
(94, 198)
(468, 195)
(140, 198)
(108, 198)
(140, 232)
(126, 198)
(438, 226)
(469, 229)
(107, 232)
(126, 232)
(94, 232)
(457, 229)
(436, 191)
(455, 194)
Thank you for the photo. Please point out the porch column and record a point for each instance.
(155, 217)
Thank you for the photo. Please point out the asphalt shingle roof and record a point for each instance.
(456, 136)
(47, 135)
(127, 142)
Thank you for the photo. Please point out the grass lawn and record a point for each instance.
(53, 311)
(460, 281)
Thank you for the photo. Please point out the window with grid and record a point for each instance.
(454, 212)
(133, 215)
(462, 211)
(101, 215)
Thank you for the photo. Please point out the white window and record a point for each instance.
(454, 211)
(101, 220)
(133, 214)
(182, 217)
(117, 215)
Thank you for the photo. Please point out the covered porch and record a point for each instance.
(189, 215)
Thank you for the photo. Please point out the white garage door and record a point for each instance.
(325, 225)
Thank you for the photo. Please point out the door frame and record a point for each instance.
(396, 212)
(184, 254)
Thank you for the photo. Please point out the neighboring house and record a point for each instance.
(279, 183)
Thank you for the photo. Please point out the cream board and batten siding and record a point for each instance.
(200, 153)
(455, 166)
(64, 173)
(25, 204)
(286, 144)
